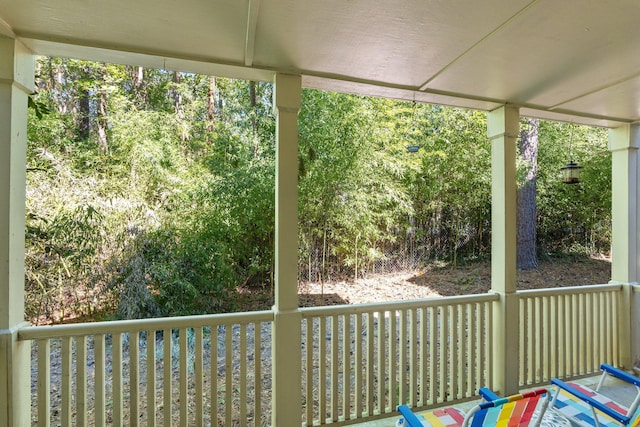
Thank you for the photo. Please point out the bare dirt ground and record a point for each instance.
(445, 280)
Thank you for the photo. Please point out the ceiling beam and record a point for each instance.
(424, 86)
(250, 39)
(5, 29)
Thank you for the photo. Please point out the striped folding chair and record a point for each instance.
(512, 411)
(591, 408)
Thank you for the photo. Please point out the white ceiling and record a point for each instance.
(574, 60)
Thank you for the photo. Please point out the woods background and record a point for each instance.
(151, 192)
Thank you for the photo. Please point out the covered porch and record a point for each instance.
(339, 365)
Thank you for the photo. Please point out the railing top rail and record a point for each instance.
(397, 305)
(155, 324)
(570, 290)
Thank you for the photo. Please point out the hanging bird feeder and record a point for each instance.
(413, 148)
(571, 171)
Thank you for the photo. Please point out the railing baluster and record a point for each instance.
(582, 320)
(81, 381)
(44, 382)
(371, 373)
(554, 345)
(228, 361)
(522, 344)
(322, 370)
(589, 333)
(151, 378)
(488, 321)
(615, 305)
(443, 353)
(423, 359)
(116, 380)
(183, 360)
(66, 381)
(539, 350)
(433, 355)
(400, 365)
(309, 354)
(454, 350)
(547, 337)
(199, 377)
(607, 339)
(393, 378)
(243, 374)
(562, 336)
(335, 367)
(530, 310)
(413, 356)
(167, 389)
(213, 383)
(381, 361)
(381, 339)
(257, 375)
(472, 358)
(346, 367)
(134, 379)
(464, 351)
(357, 359)
(575, 334)
(482, 335)
(610, 297)
(599, 326)
(99, 382)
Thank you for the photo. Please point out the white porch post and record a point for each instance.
(503, 128)
(286, 346)
(625, 217)
(16, 82)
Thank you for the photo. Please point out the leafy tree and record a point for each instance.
(166, 205)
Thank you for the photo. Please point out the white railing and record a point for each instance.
(361, 361)
(182, 371)
(568, 332)
(358, 361)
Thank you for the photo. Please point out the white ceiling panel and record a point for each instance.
(577, 59)
(617, 101)
(397, 43)
(188, 28)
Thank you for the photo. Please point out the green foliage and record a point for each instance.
(151, 192)
(577, 215)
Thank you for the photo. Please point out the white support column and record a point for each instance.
(503, 128)
(287, 341)
(625, 218)
(16, 82)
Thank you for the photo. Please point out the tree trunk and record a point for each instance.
(252, 103)
(178, 105)
(137, 74)
(527, 258)
(211, 103)
(84, 107)
(177, 94)
(102, 121)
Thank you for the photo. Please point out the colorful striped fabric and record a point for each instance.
(512, 411)
(580, 411)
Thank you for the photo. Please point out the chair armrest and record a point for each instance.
(592, 402)
(487, 394)
(620, 374)
(412, 419)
